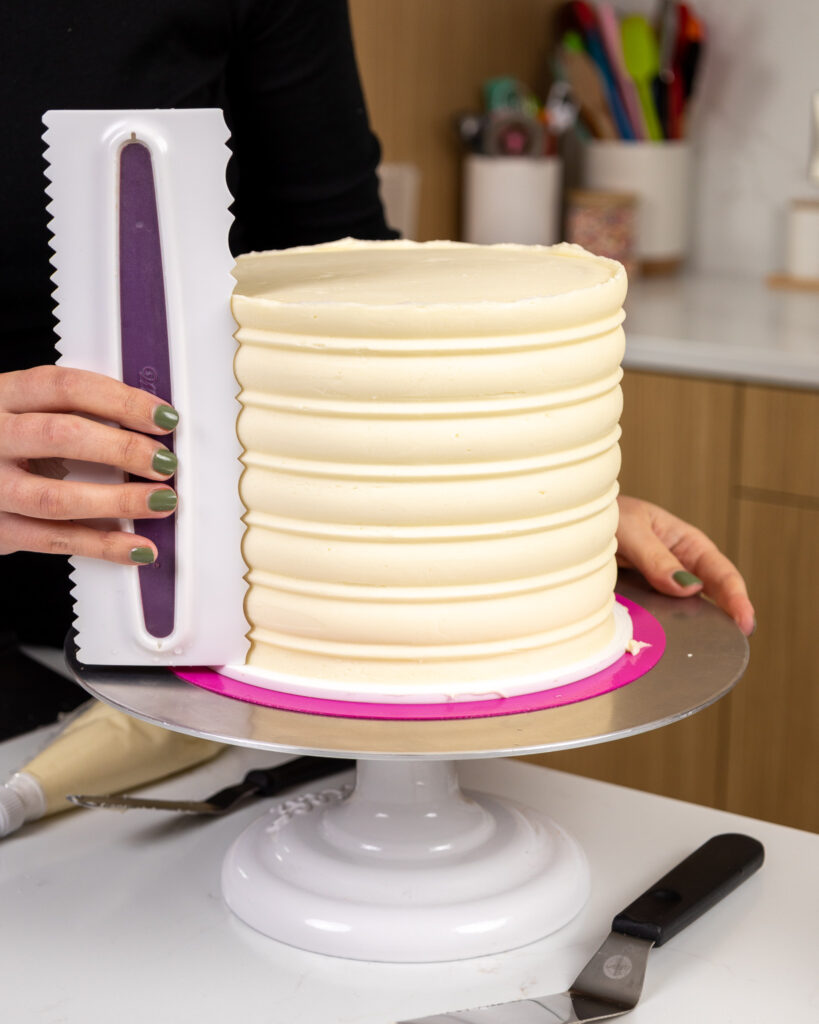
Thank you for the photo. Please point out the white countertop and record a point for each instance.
(118, 916)
(723, 327)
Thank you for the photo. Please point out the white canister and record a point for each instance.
(659, 174)
(802, 243)
(400, 193)
(511, 199)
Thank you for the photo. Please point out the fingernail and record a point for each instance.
(142, 556)
(685, 578)
(753, 628)
(161, 501)
(166, 417)
(164, 461)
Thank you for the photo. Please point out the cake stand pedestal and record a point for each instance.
(404, 866)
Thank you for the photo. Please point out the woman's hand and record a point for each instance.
(678, 559)
(38, 420)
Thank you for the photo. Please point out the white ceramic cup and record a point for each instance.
(511, 199)
(802, 244)
(400, 194)
(659, 174)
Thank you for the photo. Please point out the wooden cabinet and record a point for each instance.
(741, 462)
(779, 451)
(773, 717)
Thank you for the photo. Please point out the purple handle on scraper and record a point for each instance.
(145, 358)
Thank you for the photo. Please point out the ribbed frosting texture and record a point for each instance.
(431, 459)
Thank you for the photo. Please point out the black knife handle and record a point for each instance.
(692, 887)
(271, 781)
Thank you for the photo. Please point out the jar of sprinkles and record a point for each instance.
(604, 223)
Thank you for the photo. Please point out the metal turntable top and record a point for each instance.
(705, 656)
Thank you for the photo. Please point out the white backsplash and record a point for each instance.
(750, 127)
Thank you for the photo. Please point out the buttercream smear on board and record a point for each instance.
(430, 434)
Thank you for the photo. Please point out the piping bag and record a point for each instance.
(142, 269)
(99, 746)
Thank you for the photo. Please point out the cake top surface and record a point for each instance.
(398, 273)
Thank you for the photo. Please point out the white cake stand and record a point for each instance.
(404, 866)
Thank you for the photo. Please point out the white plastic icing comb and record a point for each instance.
(142, 269)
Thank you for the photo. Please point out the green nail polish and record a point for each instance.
(142, 556)
(684, 578)
(164, 461)
(166, 417)
(162, 501)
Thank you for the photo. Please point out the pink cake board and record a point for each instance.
(624, 671)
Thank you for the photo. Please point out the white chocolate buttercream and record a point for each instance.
(431, 458)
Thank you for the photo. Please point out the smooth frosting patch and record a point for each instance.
(432, 273)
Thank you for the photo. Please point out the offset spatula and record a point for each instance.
(611, 982)
(257, 783)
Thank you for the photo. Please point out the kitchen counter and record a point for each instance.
(119, 915)
(724, 327)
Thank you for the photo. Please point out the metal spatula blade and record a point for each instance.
(258, 782)
(608, 986)
(611, 982)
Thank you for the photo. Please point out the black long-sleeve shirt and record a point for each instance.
(302, 171)
(284, 73)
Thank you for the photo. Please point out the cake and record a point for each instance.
(430, 436)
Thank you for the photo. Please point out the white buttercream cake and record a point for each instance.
(431, 459)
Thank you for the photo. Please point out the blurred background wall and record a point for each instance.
(422, 61)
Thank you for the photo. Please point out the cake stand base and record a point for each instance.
(406, 868)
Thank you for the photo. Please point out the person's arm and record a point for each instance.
(678, 559)
(304, 172)
(43, 415)
(304, 160)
